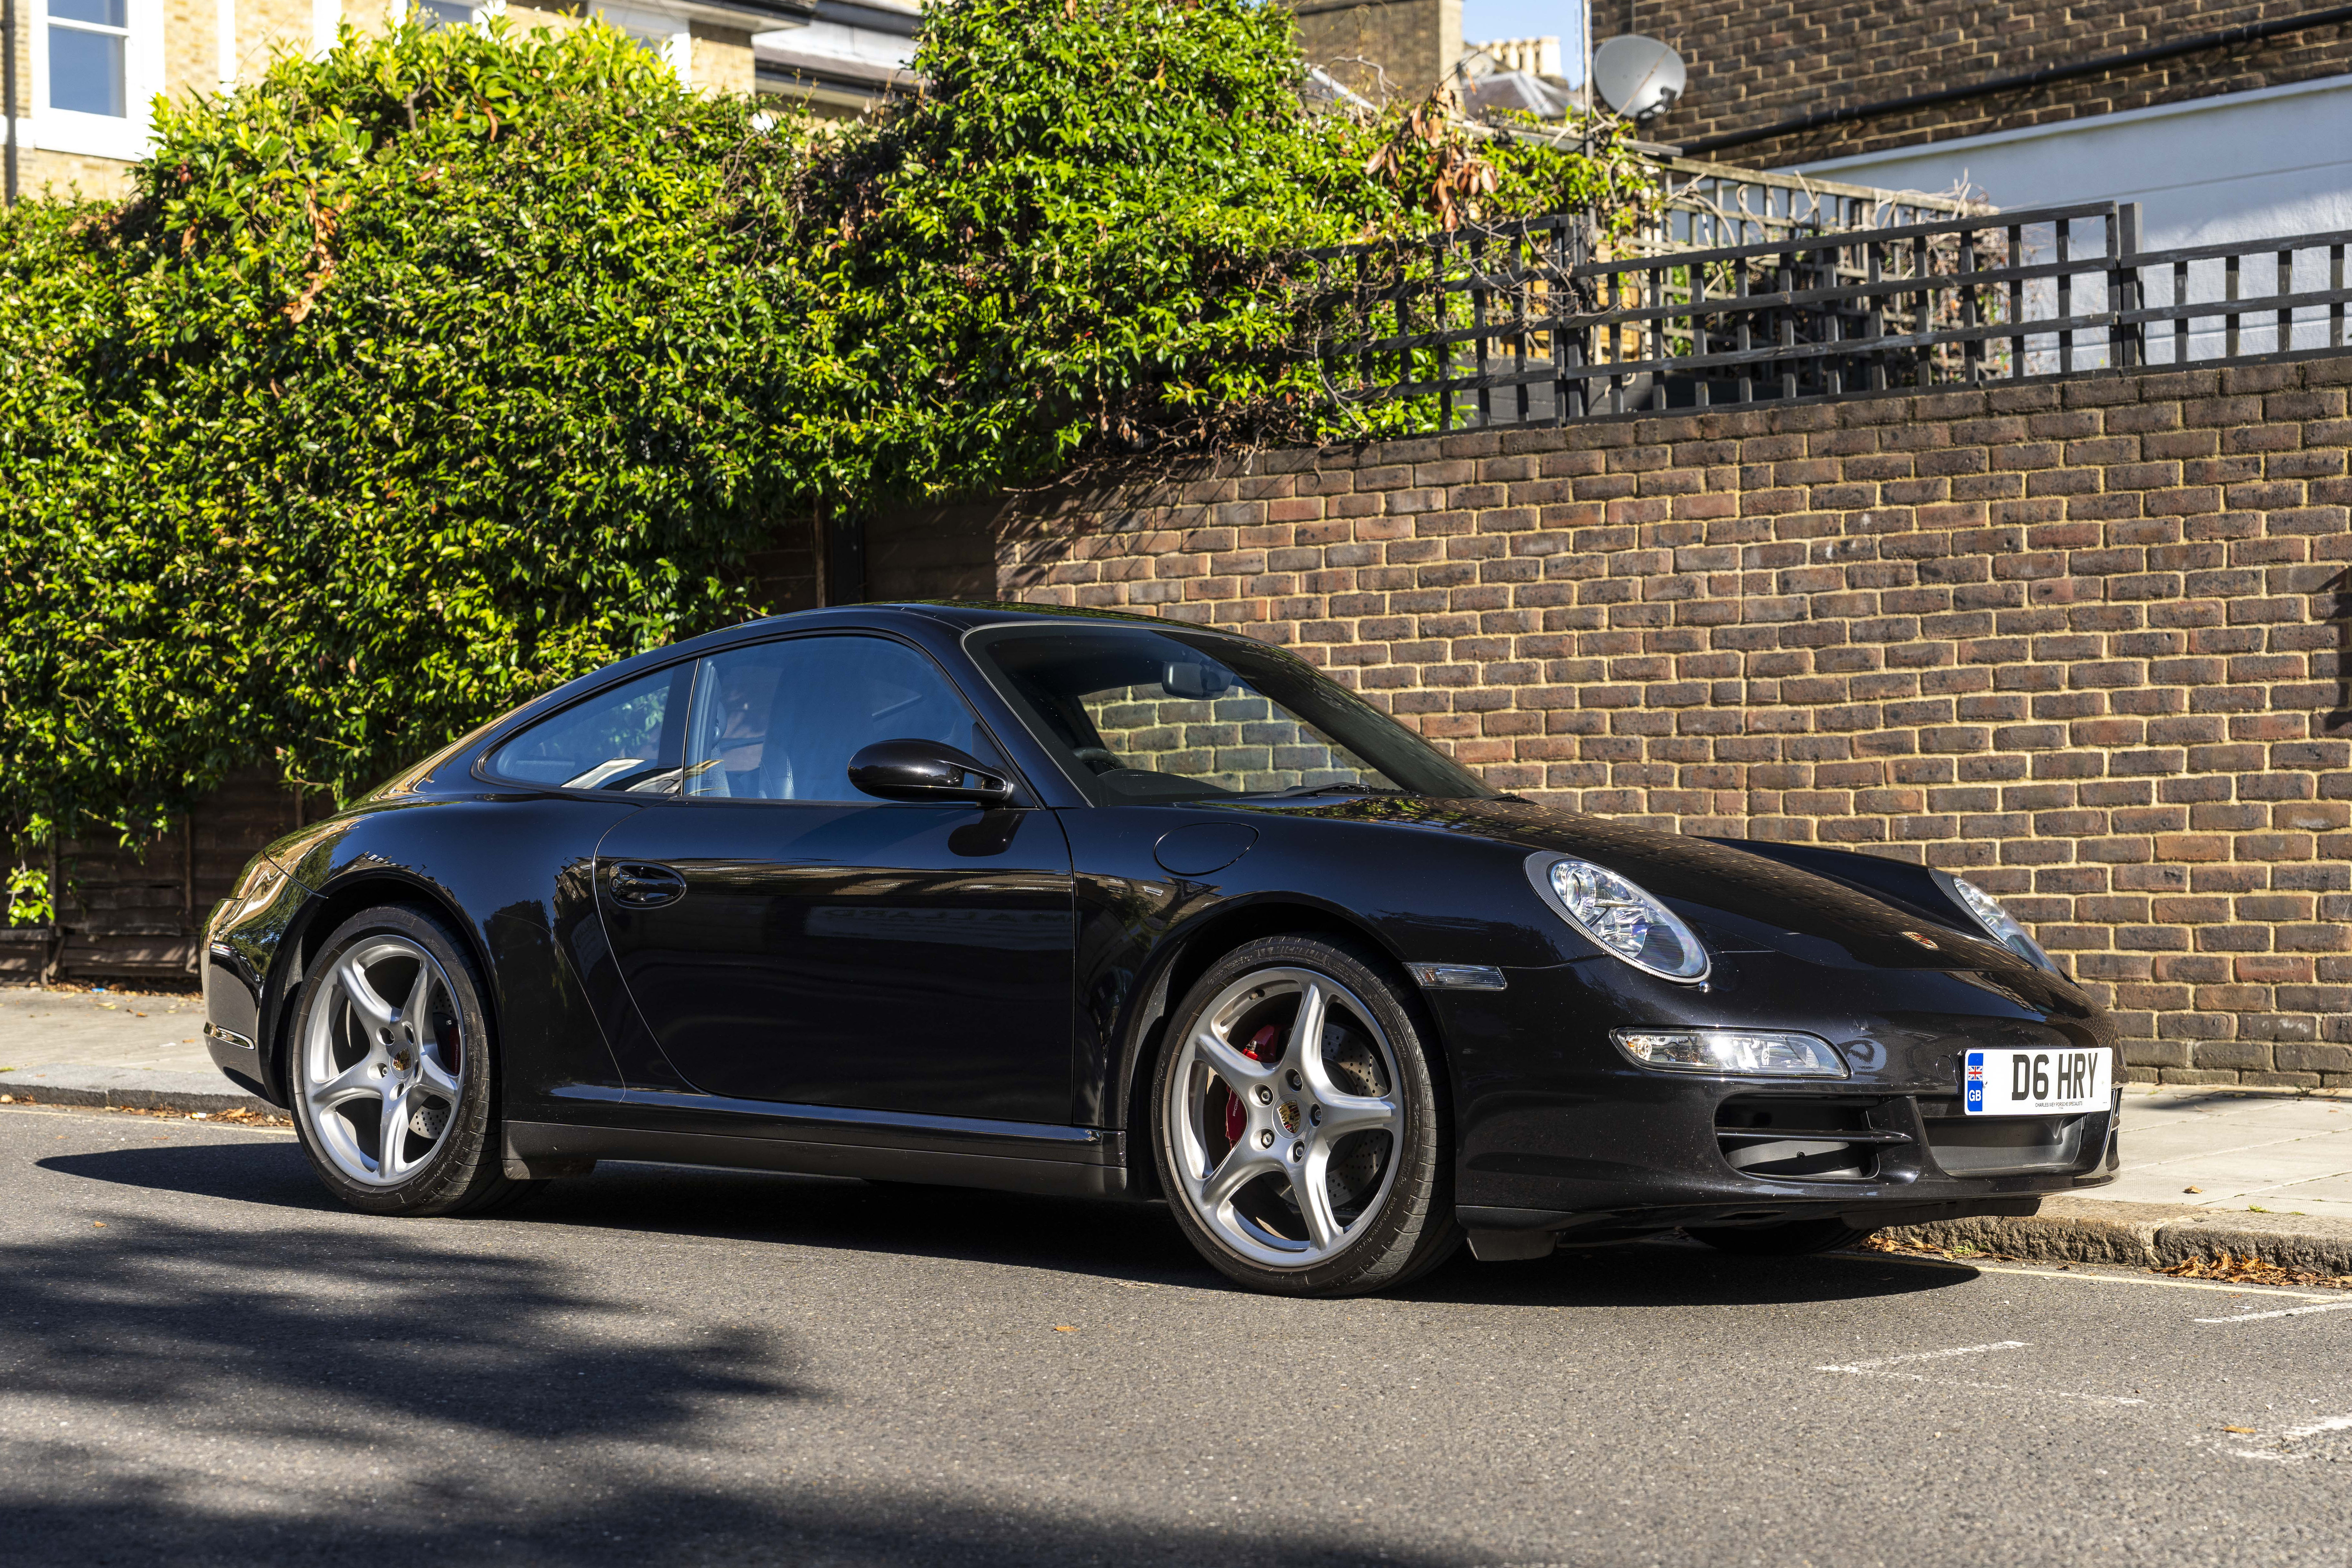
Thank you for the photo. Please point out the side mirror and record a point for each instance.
(926, 770)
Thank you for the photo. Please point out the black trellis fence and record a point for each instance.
(1516, 325)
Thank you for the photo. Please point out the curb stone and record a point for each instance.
(2148, 1235)
(131, 1088)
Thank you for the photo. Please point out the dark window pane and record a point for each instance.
(86, 72)
(618, 740)
(781, 721)
(105, 12)
(445, 14)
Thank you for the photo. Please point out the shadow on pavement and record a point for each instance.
(164, 1315)
(332, 1389)
(652, 1524)
(1109, 1240)
(327, 1388)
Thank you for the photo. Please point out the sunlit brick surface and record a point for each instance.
(1754, 65)
(2082, 641)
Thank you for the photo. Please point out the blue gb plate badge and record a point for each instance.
(1976, 1083)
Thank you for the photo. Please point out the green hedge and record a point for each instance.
(421, 377)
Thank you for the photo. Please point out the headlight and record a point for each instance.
(1627, 922)
(1997, 922)
(1753, 1051)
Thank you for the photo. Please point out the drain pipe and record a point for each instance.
(2246, 33)
(8, 99)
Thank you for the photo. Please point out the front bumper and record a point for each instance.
(1557, 1132)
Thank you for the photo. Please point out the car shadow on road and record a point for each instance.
(321, 1387)
(1126, 1241)
(644, 1524)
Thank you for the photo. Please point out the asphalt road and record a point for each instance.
(200, 1360)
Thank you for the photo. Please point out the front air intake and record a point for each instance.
(1793, 1139)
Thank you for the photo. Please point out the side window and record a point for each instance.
(624, 739)
(780, 720)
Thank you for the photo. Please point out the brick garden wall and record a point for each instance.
(1754, 63)
(2084, 641)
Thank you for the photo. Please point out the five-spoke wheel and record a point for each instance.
(1297, 1122)
(1283, 1116)
(382, 1079)
(389, 1066)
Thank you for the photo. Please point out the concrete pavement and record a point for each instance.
(86, 1045)
(2237, 1150)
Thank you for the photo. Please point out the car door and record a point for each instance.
(788, 938)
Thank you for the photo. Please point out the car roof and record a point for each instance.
(959, 615)
(964, 615)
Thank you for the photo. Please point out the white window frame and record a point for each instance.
(483, 11)
(103, 135)
(675, 41)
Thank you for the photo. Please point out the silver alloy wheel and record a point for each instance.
(382, 1080)
(1314, 1155)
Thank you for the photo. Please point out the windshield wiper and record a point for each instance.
(1300, 792)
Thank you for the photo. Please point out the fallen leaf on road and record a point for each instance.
(2252, 1270)
(2192, 1189)
(1065, 1328)
(2246, 1431)
(99, 1223)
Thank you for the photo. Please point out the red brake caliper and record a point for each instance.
(1236, 1118)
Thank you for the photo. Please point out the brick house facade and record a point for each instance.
(88, 70)
(1753, 66)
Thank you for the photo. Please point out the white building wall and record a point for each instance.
(2242, 166)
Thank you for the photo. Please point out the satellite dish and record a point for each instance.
(1639, 78)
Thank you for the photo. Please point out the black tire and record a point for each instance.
(1408, 1228)
(463, 1173)
(1797, 1238)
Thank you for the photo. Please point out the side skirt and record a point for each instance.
(540, 1149)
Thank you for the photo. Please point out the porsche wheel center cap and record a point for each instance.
(1288, 1113)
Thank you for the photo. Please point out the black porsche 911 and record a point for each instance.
(1092, 904)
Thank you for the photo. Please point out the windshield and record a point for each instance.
(1138, 715)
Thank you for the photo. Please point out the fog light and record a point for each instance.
(1744, 1051)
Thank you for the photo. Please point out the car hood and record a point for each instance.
(1741, 901)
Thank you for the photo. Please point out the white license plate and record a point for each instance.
(2035, 1083)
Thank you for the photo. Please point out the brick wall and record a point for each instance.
(2082, 641)
(1382, 49)
(1753, 65)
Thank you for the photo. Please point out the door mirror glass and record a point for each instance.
(786, 721)
(623, 739)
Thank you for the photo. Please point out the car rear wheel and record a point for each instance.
(1795, 1239)
(390, 1071)
(1298, 1122)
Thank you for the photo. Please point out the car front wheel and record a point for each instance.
(390, 1071)
(1298, 1122)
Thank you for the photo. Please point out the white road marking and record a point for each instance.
(1929, 1356)
(2281, 1312)
(1995, 1387)
(2291, 1435)
(1879, 1369)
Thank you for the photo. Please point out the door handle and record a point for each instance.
(643, 887)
